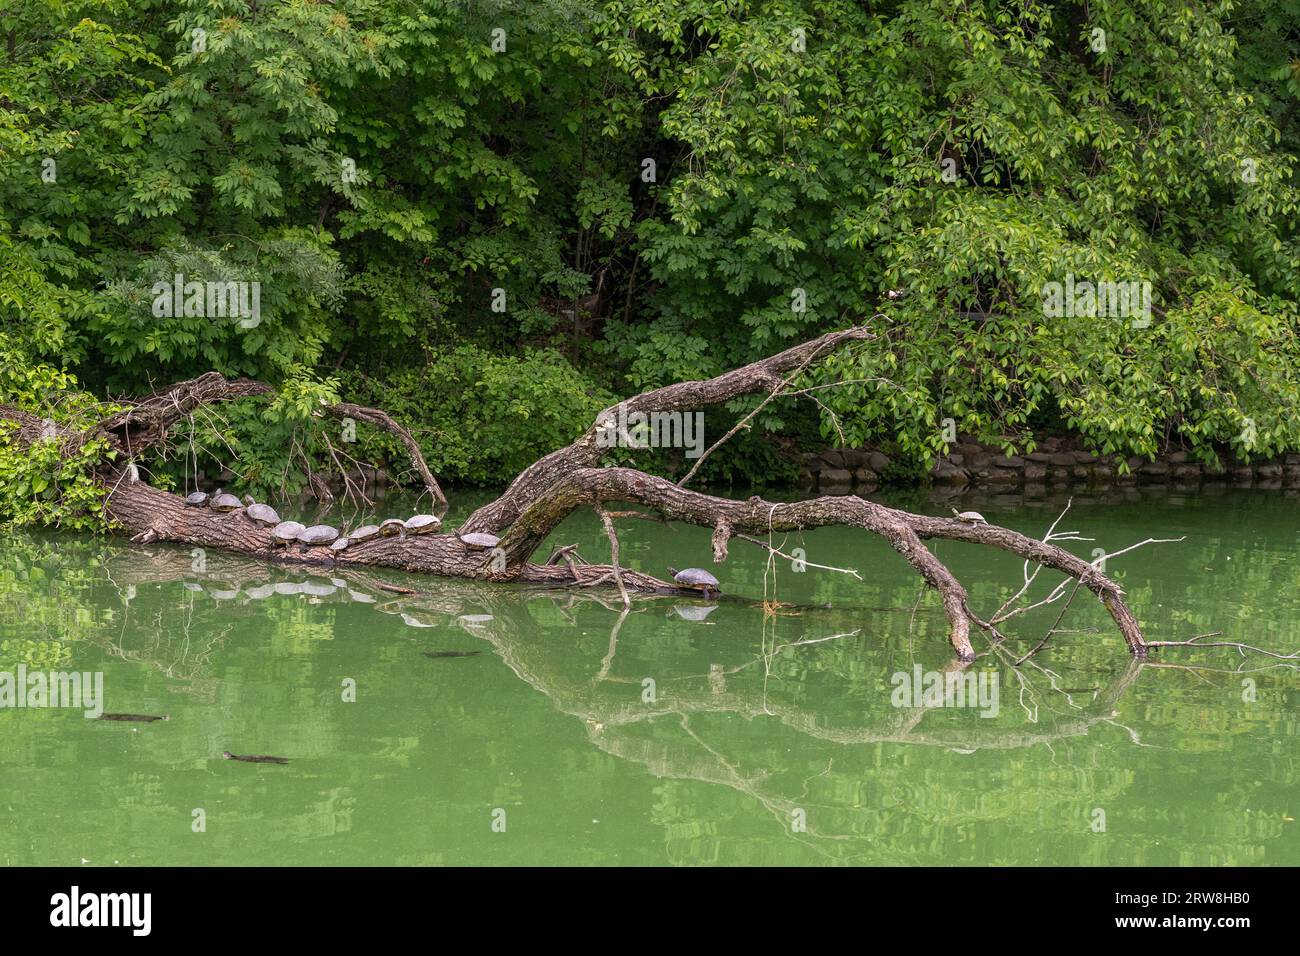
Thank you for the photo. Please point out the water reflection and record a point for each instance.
(767, 737)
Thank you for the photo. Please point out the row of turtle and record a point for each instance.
(323, 535)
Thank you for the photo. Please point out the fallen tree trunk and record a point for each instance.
(554, 487)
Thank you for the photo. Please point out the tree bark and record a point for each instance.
(551, 489)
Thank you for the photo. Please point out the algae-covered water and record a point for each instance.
(684, 732)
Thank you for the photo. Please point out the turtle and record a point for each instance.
(364, 533)
(479, 540)
(422, 524)
(264, 515)
(224, 502)
(316, 535)
(696, 579)
(338, 544)
(286, 532)
(969, 517)
(196, 499)
(391, 527)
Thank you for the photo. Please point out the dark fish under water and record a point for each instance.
(137, 718)
(252, 759)
(438, 654)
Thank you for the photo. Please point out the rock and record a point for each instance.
(812, 463)
(979, 460)
(1177, 458)
(1269, 472)
(946, 473)
(1156, 469)
(1009, 461)
(835, 478)
(1084, 457)
(853, 458)
(1039, 456)
(1184, 472)
(1035, 472)
(1062, 459)
(877, 461)
(833, 459)
(865, 476)
(1000, 476)
(955, 457)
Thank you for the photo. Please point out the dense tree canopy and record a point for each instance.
(492, 216)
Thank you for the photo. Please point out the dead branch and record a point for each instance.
(542, 496)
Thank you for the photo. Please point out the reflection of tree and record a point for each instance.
(801, 724)
(687, 733)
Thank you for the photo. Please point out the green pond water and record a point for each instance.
(763, 739)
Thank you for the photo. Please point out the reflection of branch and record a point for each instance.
(1052, 630)
(1197, 642)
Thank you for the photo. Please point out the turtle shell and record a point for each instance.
(339, 544)
(287, 531)
(196, 499)
(318, 534)
(263, 514)
(480, 539)
(696, 578)
(422, 524)
(391, 527)
(364, 533)
(225, 503)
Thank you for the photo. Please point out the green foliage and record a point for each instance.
(49, 481)
(483, 418)
(380, 168)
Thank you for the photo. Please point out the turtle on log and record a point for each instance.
(317, 535)
(286, 532)
(696, 579)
